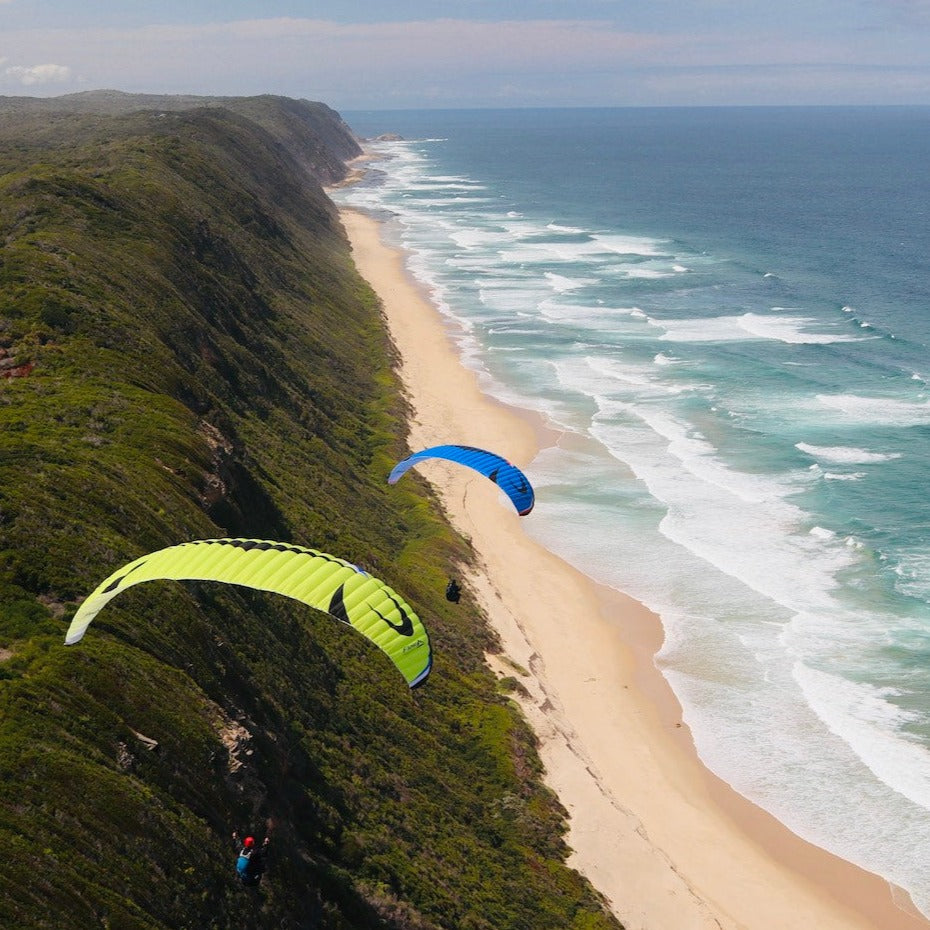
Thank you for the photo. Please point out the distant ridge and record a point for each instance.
(313, 133)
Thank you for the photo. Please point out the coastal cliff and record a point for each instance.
(187, 352)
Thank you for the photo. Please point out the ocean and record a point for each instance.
(725, 315)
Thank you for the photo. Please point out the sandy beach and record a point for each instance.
(669, 845)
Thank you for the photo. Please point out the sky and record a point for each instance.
(415, 54)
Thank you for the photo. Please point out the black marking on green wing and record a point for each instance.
(115, 584)
(405, 627)
(337, 605)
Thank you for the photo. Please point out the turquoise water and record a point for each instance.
(725, 313)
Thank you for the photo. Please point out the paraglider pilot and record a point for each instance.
(250, 866)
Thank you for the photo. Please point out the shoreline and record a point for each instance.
(668, 844)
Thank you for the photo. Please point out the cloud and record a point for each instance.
(39, 74)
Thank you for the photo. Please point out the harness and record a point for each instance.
(243, 862)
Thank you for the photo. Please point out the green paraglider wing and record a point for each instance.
(322, 581)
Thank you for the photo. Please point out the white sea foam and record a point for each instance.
(615, 376)
(595, 318)
(865, 718)
(436, 185)
(561, 284)
(477, 238)
(526, 252)
(454, 201)
(845, 455)
(639, 271)
(452, 179)
(820, 532)
(912, 572)
(789, 329)
(628, 245)
(748, 326)
(877, 410)
(509, 299)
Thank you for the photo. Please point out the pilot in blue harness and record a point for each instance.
(250, 866)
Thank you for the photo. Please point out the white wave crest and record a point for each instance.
(871, 725)
(885, 410)
(749, 326)
(820, 532)
(845, 455)
(629, 245)
(913, 573)
(561, 284)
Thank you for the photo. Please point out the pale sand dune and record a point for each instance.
(670, 846)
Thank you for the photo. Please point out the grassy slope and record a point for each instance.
(187, 352)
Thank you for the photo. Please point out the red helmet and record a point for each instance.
(249, 842)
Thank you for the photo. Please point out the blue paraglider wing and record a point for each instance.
(507, 477)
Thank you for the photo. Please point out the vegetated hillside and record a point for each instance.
(187, 352)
